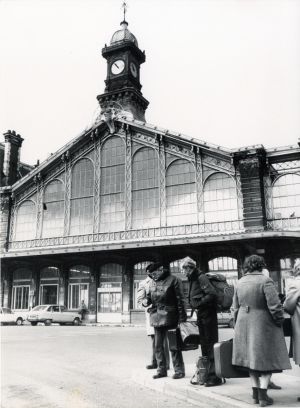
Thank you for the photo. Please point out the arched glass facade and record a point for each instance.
(181, 193)
(225, 265)
(53, 209)
(82, 197)
(112, 185)
(145, 189)
(286, 196)
(220, 198)
(26, 221)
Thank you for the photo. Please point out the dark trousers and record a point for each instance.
(166, 351)
(161, 334)
(208, 329)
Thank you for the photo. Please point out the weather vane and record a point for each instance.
(124, 7)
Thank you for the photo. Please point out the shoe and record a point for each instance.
(159, 375)
(255, 395)
(151, 366)
(264, 399)
(273, 386)
(213, 382)
(177, 376)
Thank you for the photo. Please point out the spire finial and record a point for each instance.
(124, 7)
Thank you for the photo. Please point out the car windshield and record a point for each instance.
(39, 308)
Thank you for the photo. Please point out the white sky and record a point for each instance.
(224, 71)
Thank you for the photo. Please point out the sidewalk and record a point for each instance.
(234, 393)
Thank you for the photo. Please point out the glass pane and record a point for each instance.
(181, 193)
(50, 272)
(220, 198)
(81, 216)
(22, 274)
(80, 271)
(111, 273)
(26, 221)
(53, 210)
(112, 186)
(82, 179)
(286, 196)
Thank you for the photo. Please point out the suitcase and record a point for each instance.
(189, 333)
(176, 343)
(223, 361)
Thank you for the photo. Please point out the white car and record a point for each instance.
(226, 318)
(8, 316)
(53, 314)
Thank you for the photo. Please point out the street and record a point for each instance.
(79, 367)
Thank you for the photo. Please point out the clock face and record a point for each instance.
(117, 67)
(133, 69)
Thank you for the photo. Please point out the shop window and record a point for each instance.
(227, 266)
(111, 275)
(80, 272)
(26, 221)
(49, 273)
(181, 193)
(48, 294)
(112, 185)
(145, 189)
(20, 297)
(53, 209)
(286, 197)
(82, 198)
(286, 269)
(220, 199)
(77, 293)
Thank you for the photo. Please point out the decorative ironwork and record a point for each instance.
(268, 196)
(67, 196)
(287, 166)
(39, 207)
(128, 180)
(217, 163)
(199, 185)
(162, 182)
(97, 185)
(239, 193)
(284, 224)
(190, 230)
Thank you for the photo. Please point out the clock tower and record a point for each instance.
(123, 88)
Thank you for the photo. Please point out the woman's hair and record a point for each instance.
(254, 263)
(296, 269)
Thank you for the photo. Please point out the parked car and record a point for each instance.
(8, 316)
(53, 314)
(226, 318)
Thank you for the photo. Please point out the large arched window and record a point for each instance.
(26, 221)
(82, 197)
(220, 198)
(286, 196)
(112, 185)
(181, 193)
(53, 209)
(79, 278)
(227, 266)
(145, 189)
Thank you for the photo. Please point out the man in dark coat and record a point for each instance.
(203, 298)
(167, 310)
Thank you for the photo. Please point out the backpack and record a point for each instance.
(223, 289)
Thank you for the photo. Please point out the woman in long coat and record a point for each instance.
(292, 306)
(259, 343)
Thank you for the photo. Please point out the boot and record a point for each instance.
(264, 399)
(255, 395)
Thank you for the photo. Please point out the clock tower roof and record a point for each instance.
(123, 35)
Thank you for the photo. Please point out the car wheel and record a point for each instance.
(48, 322)
(19, 321)
(34, 323)
(231, 324)
(76, 321)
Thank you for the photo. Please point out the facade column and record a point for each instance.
(93, 294)
(97, 172)
(5, 200)
(250, 165)
(162, 182)
(128, 180)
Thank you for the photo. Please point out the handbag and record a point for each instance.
(189, 332)
(176, 343)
